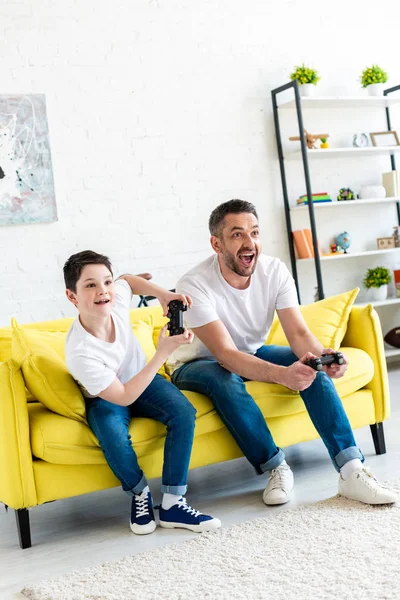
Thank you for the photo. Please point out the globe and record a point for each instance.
(343, 240)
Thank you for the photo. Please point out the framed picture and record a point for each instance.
(385, 243)
(385, 138)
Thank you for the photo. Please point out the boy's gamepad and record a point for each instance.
(176, 308)
(325, 359)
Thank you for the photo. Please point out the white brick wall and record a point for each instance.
(158, 111)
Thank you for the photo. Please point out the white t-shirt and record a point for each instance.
(93, 363)
(247, 314)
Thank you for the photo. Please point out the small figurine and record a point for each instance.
(344, 240)
(346, 194)
(336, 249)
(311, 138)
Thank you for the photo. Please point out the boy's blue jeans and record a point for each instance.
(244, 419)
(163, 402)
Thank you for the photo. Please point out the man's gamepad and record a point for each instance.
(325, 359)
(176, 308)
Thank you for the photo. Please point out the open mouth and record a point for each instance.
(247, 258)
(101, 302)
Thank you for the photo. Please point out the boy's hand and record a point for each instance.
(167, 344)
(166, 298)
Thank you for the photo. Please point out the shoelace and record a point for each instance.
(142, 505)
(277, 478)
(185, 506)
(369, 479)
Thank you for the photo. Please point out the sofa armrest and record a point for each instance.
(364, 331)
(17, 483)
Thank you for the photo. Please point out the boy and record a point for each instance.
(105, 358)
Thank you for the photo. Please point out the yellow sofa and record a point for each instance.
(47, 455)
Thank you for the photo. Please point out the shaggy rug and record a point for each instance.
(335, 549)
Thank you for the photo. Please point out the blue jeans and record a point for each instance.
(244, 419)
(163, 402)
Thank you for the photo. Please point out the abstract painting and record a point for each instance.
(26, 174)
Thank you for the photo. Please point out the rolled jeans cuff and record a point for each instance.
(176, 490)
(347, 454)
(273, 462)
(138, 488)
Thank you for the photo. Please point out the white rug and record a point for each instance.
(336, 549)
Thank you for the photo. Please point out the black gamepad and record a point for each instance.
(325, 359)
(176, 308)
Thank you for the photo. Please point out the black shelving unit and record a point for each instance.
(299, 113)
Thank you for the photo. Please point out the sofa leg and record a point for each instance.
(378, 436)
(24, 530)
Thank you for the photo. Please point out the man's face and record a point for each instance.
(95, 291)
(239, 244)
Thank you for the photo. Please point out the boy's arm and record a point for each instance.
(126, 394)
(141, 287)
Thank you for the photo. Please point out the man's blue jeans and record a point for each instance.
(244, 419)
(163, 402)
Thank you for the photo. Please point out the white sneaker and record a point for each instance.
(280, 484)
(362, 486)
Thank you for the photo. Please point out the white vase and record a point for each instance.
(375, 89)
(377, 294)
(306, 89)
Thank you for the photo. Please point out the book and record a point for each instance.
(303, 243)
(318, 195)
(315, 200)
(391, 183)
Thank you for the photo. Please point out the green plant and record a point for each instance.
(372, 75)
(304, 74)
(375, 278)
(323, 140)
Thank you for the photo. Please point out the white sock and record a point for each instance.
(169, 500)
(144, 490)
(348, 468)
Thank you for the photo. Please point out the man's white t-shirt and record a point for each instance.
(93, 363)
(247, 314)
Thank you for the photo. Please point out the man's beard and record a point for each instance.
(231, 262)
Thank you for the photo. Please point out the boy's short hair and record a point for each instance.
(232, 206)
(74, 266)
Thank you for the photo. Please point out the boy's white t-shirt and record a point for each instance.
(93, 363)
(247, 314)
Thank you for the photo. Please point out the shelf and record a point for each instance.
(350, 255)
(387, 302)
(350, 151)
(343, 102)
(392, 352)
(342, 203)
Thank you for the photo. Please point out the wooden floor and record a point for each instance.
(88, 530)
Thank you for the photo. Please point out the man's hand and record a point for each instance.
(334, 370)
(298, 376)
(167, 297)
(167, 344)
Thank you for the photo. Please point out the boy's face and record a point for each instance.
(95, 291)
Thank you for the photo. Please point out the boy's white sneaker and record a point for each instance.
(280, 484)
(362, 486)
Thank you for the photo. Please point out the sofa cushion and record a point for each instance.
(143, 330)
(58, 440)
(41, 356)
(327, 320)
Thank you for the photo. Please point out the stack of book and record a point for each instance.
(303, 243)
(317, 198)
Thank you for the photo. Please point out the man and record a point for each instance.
(234, 294)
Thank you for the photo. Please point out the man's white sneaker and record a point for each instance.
(280, 484)
(362, 486)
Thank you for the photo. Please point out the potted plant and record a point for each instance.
(373, 79)
(307, 79)
(376, 281)
(324, 142)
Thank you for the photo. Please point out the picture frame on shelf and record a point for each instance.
(381, 139)
(386, 243)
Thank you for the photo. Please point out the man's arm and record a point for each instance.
(298, 335)
(219, 342)
(301, 340)
(141, 287)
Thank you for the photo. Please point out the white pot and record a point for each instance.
(375, 89)
(372, 191)
(306, 89)
(377, 294)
